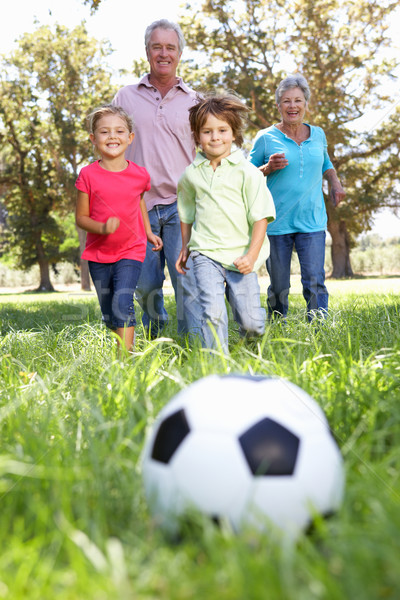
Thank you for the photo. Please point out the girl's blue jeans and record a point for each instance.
(115, 285)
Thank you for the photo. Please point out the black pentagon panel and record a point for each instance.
(270, 449)
(170, 435)
(255, 378)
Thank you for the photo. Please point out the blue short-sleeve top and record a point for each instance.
(296, 189)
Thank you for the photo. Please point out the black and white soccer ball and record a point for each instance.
(252, 451)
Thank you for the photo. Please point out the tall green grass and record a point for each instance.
(73, 416)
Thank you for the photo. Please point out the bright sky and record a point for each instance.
(123, 23)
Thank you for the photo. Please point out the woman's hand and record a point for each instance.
(276, 162)
(337, 193)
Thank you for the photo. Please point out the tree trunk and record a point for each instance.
(84, 267)
(85, 276)
(340, 252)
(45, 283)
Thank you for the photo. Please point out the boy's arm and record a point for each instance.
(85, 222)
(245, 263)
(180, 265)
(151, 237)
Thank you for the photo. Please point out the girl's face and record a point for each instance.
(215, 139)
(111, 136)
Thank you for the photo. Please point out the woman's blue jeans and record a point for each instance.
(310, 248)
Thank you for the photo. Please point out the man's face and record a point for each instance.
(163, 53)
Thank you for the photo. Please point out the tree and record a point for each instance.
(47, 87)
(93, 4)
(338, 45)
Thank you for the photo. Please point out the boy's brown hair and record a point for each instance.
(226, 107)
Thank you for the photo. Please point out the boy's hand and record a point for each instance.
(111, 225)
(244, 264)
(180, 264)
(156, 241)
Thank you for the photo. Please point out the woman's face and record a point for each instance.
(292, 106)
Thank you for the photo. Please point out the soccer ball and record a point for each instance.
(255, 452)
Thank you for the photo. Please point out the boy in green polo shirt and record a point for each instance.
(224, 207)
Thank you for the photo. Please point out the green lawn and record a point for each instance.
(74, 524)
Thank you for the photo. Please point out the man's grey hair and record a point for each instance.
(293, 81)
(164, 24)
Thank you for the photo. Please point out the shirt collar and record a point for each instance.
(234, 158)
(145, 81)
(275, 128)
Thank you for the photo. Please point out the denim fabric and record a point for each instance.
(165, 223)
(243, 295)
(310, 248)
(115, 285)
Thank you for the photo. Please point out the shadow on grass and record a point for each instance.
(34, 316)
(364, 277)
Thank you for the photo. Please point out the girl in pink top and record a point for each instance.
(111, 208)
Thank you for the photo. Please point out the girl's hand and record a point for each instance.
(180, 264)
(111, 225)
(156, 241)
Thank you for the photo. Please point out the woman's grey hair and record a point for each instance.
(293, 81)
(164, 24)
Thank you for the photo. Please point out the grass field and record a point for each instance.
(74, 524)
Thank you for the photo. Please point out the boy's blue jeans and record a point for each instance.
(310, 248)
(165, 223)
(243, 293)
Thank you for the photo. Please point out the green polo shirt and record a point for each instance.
(223, 205)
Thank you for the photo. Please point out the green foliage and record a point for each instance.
(73, 418)
(47, 86)
(344, 51)
(94, 4)
(376, 256)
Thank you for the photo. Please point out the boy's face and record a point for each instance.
(215, 139)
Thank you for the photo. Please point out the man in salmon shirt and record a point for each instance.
(164, 145)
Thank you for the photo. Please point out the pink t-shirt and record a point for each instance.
(163, 140)
(115, 194)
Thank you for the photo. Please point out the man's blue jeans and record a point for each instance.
(242, 292)
(310, 248)
(165, 223)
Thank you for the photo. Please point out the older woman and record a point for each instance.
(293, 155)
